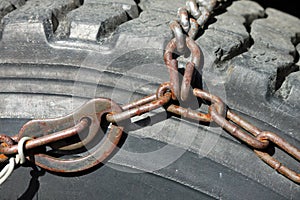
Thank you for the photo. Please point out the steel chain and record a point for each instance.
(191, 17)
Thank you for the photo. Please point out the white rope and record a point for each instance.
(13, 161)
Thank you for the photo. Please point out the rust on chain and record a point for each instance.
(117, 117)
(184, 19)
(193, 29)
(195, 51)
(191, 66)
(93, 157)
(191, 114)
(5, 142)
(193, 8)
(172, 65)
(163, 89)
(260, 141)
(204, 16)
(266, 137)
(179, 36)
(236, 131)
(41, 127)
(192, 16)
(279, 167)
(187, 79)
(46, 139)
(149, 103)
(243, 123)
(274, 163)
(48, 132)
(94, 110)
(283, 144)
(139, 102)
(216, 101)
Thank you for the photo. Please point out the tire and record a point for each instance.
(56, 55)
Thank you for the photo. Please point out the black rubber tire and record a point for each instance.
(57, 54)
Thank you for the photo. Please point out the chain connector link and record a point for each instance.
(142, 106)
(274, 163)
(172, 65)
(236, 131)
(217, 103)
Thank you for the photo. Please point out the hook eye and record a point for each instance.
(94, 110)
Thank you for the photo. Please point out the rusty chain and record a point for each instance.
(194, 15)
(50, 132)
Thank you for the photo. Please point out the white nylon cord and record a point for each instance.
(13, 161)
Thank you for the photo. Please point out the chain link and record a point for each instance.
(140, 108)
(46, 139)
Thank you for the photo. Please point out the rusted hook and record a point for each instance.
(93, 110)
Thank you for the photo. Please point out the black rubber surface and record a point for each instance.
(57, 54)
